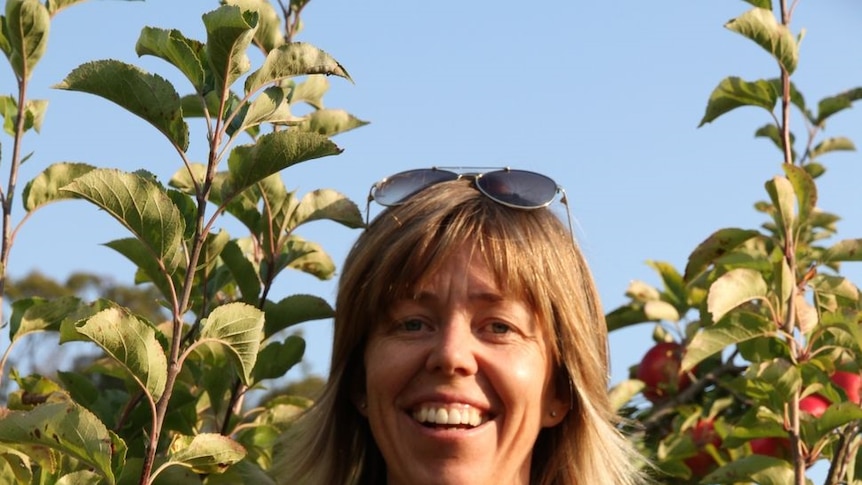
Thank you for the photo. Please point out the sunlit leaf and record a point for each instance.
(773, 133)
(230, 31)
(760, 469)
(710, 340)
(141, 205)
(844, 250)
(623, 392)
(294, 59)
(718, 244)
(81, 477)
(783, 199)
(306, 256)
(833, 104)
(733, 92)
(45, 187)
(807, 317)
(761, 26)
(249, 164)
(205, 453)
(31, 315)
(148, 96)
(734, 288)
(16, 466)
(26, 27)
(661, 310)
(625, 316)
(331, 122)
(65, 427)
(187, 55)
(833, 144)
(133, 344)
(804, 188)
(326, 204)
(55, 6)
(268, 35)
(239, 327)
(293, 310)
(311, 90)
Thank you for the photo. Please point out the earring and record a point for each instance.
(363, 404)
(553, 414)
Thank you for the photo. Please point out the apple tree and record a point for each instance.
(755, 372)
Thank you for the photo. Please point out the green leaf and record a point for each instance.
(272, 106)
(230, 31)
(249, 164)
(65, 427)
(761, 26)
(718, 244)
(658, 310)
(710, 340)
(760, 469)
(34, 115)
(30, 315)
(239, 327)
(844, 250)
(767, 4)
(306, 256)
(294, 59)
(834, 285)
(833, 104)
(26, 28)
(623, 392)
(45, 187)
(293, 310)
(148, 96)
(330, 122)
(205, 453)
(311, 91)
(772, 132)
(137, 252)
(733, 92)
(243, 271)
(15, 466)
(186, 54)
(734, 288)
(279, 357)
(783, 199)
(269, 34)
(625, 316)
(82, 477)
(804, 188)
(133, 344)
(141, 205)
(54, 6)
(326, 204)
(832, 145)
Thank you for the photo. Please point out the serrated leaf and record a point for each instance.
(734, 288)
(330, 122)
(269, 34)
(830, 105)
(804, 189)
(45, 187)
(783, 200)
(205, 453)
(733, 92)
(139, 204)
(293, 59)
(761, 26)
(306, 256)
(279, 357)
(133, 344)
(718, 244)
(293, 310)
(185, 54)
(249, 164)
(239, 327)
(26, 28)
(710, 340)
(230, 31)
(759, 469)
(148, 96)
(844, 250)
(834, 285)
(311, 91)
(832, 145)
(65, 427)
(326, 204)
(31, 315)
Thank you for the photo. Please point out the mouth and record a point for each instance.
(458, 416)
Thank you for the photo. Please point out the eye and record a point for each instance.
(412, 325)
(499, 328)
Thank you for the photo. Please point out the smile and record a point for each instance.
(461, 416)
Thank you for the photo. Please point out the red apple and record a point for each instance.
(702, 434)
(778, 447)
(851, 382)
(814, 404)
(659, 370)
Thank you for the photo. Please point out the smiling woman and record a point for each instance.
(470, 348)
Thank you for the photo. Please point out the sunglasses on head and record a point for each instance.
(518, 189)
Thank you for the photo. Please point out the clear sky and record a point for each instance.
(605, 97)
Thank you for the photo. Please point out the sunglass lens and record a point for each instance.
(401, 186)
(518, 188)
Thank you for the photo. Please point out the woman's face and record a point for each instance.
(459, 382)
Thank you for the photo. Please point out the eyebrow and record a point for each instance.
(487, 296)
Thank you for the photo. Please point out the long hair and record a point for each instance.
(533, 257)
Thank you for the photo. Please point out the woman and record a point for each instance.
(469, 348)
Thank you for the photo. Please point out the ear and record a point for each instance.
(554, 411)
(361, 404)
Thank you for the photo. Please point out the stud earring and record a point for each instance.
(553, 414)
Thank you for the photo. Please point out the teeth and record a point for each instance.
(464, 415)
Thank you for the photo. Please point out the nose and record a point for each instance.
(454, 350)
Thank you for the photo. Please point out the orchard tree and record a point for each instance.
(767, 329)
(173, 410)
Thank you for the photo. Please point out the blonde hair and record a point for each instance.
(533, 257)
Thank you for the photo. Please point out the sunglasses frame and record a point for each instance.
(472, 173)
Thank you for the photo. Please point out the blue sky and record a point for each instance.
(605, 97)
